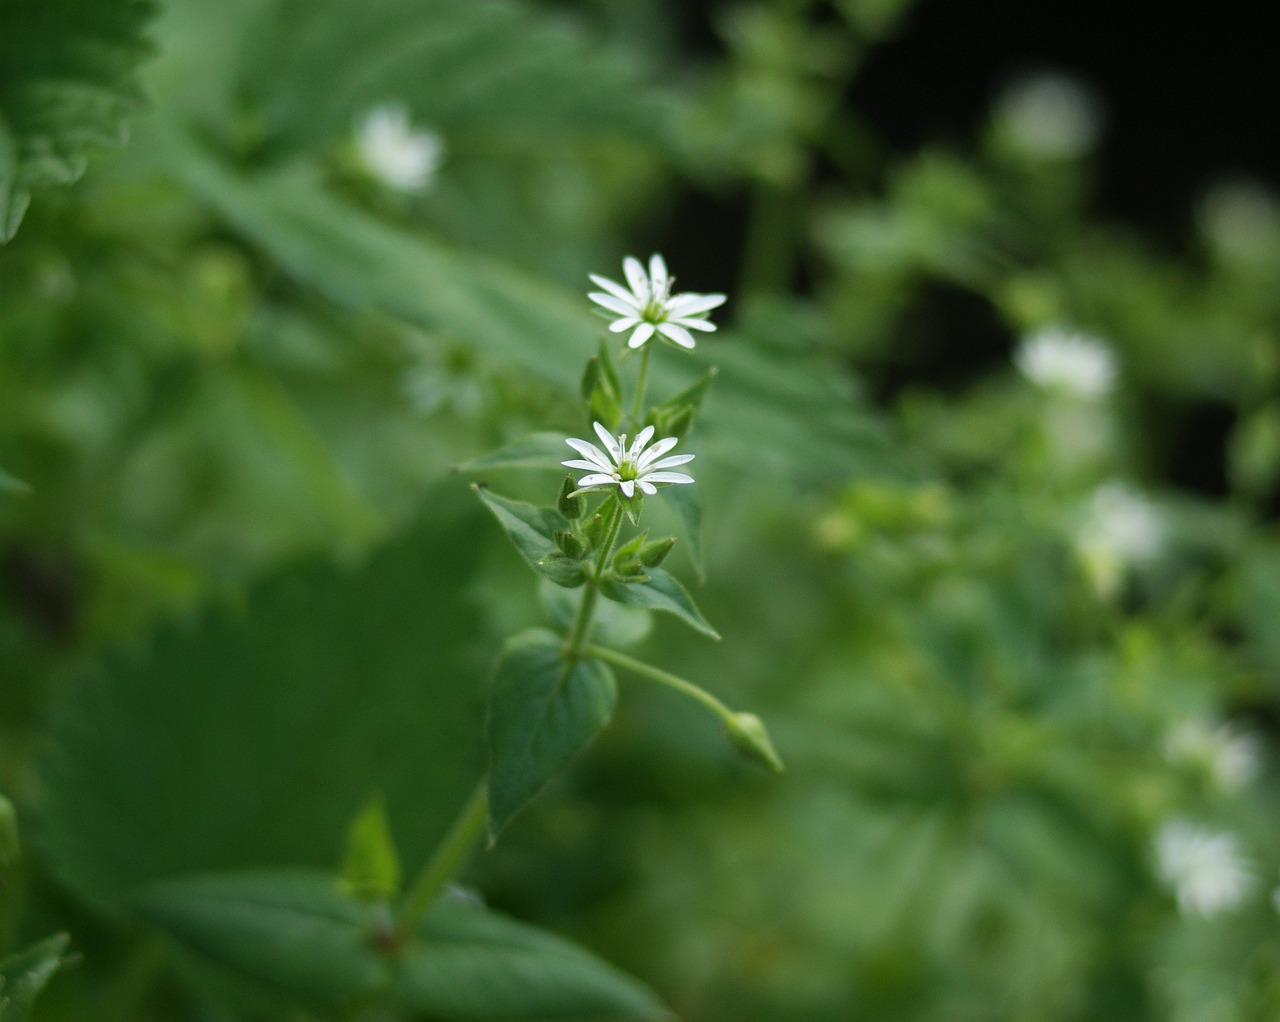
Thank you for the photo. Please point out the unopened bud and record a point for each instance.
(654, 553)
(749, 738)
(569, 544)
(569, 505)
(593, 530)
(630, 570)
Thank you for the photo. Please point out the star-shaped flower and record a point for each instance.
(627, 468)
(649, 308)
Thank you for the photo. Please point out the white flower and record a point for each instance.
(1230, 755)
(1073, 363)
(1203, 867)
(649, 307)
(393, 153)
(628, 468)
(1122, 524)
(1050, 116)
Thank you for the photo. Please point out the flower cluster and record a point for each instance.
(647, 308)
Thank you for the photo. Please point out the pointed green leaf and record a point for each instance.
(295, 934)
(371, 866)
(25, 974)
(282, 713)
(692, 395)
(532, 531)
(543, 711)
(686, 501)
(660, 592)
(538, 450)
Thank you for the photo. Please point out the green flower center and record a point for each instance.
(626, 470)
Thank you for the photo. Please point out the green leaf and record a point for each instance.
(67, 84)
(686, 501)
(466, 68)
(660, 592)
(542, 713)
(538, 450)
(295, 934)
(25, 974)
(282, 714)
(371, 866)
(532, 532)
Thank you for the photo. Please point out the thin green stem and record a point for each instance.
(444, 862)
(581, 630)
(663, 677)
(638, 404)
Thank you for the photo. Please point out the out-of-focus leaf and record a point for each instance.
(8, 484)
(67, 84)
(282, 716)
(543, 712)
(296, 934)
(463, 67)
(25, 974)
(660, 592)
(538, 450)
(371, 867)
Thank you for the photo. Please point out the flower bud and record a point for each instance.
(569, 505)
(653, 554)
(593, 530)
(629, 570)
(749, 738)
(569, 544)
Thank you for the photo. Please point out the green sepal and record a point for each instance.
(562, 569)
(655, 552)
(659, 592)
(749, 738)
(570, 545)
(633, 506)
(24, 975)
(371, 865)
(543, 710)
(630, 550)
(570, 503)
(593, 529)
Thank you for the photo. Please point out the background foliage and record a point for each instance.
(241, 591)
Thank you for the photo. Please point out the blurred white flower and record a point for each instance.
(1240, 219)
(1072, 363)
(1122, 523)
(1203, 868)
(649, 307)
(1230, 755)
(393, 153)
(627, 469)
(1050, 116)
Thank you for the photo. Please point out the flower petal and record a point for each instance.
(610, 443)
(643, 332)
(614, 303)
(619, 325)
(693, 323)
(636, 278)
(628, 487)
(668, 477)
(671, 462)
(656, 451)
(600, 479)
(678, 334)
(613, 287)
(591, 452)
(659, 280)
(691, 303)
(645, 487)
(588, 466)
(637, 445)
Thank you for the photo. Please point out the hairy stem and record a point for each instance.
(581, 631)
(663, 677)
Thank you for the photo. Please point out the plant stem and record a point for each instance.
(581, 631)
(663, 677)
(444, 862)
(638, 404)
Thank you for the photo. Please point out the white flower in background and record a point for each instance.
(1050, 116)
(649, 307)
(628, 468)
(1231, 755)
(1203, 868)
(1072, 363)
(393, 153)
(1122, 524)
(1241, 219)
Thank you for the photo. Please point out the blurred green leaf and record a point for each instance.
(538, 450)
(371, 867)
(25, 974)
(660, 592)
(282, 714)
(544, 710)
(295, 933)
(67, 84)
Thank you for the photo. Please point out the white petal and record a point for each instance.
(637, 445)
(613, 287)
(610, 442)
(692, 323)
(595, 480)
(636, 278)
(619, 325)
(648, 488)
(628, 487)
(643, 332)
(689, 303)
(614, 304)
(592, 453)
(589, 466)
(657, 451)
(668, 477)
(658, 273)
(678, 334)
(671, 462)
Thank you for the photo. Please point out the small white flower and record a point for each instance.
(1204, 868)
(1072, 363)
(1050, 116)
(393, 153)
(649, 307)
(1122, 524)
(628, 468)
(1229, 754)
